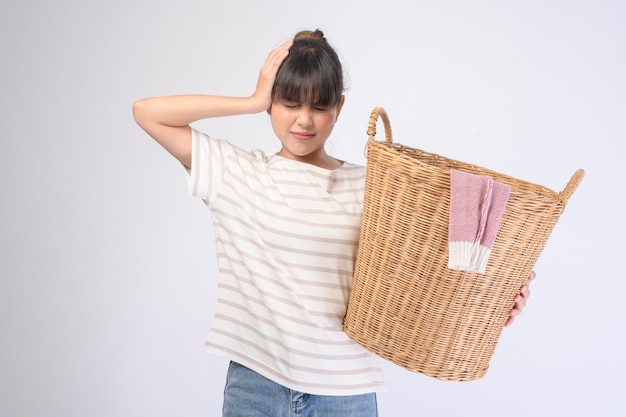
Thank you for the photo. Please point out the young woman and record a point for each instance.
(286, 229)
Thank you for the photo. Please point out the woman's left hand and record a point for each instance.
(520, 300)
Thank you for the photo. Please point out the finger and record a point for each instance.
(525, 292)
(278, 55)
(272, 63)
(520, 302)
(267, 73)
(512, 314)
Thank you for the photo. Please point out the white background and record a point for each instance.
(107, 271)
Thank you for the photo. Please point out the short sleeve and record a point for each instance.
(207, 165)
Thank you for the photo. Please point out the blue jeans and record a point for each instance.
(248, 394)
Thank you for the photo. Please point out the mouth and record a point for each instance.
(302, 135)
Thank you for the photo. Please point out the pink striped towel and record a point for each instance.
(476, 206)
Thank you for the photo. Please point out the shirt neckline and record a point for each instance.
(307, 165)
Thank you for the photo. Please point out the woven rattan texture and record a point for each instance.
(406, 305)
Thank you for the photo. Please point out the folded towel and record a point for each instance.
(476, 206)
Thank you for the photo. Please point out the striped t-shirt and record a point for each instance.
(286, 238)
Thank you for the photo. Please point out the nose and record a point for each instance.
(305, 116)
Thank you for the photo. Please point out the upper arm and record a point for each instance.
(175, 139)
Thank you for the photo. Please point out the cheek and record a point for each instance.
(326, 122)
(278, 120)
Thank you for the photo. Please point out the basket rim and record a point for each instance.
(517, 185)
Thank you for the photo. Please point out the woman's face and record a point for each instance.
(303, 130)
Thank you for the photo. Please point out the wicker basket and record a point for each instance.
(406, 305)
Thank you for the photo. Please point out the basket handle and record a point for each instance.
(571, 186)
(371, 127)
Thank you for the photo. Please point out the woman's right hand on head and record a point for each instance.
(267, 75)
(167, 119)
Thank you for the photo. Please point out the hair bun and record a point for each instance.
(316, 35)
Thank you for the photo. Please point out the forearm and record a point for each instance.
(182, 110)
(167, 119)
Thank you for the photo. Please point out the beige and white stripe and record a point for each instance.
(286, 236)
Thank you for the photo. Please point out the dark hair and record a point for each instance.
(311, 73)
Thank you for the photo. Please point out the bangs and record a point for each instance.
(305, 79)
